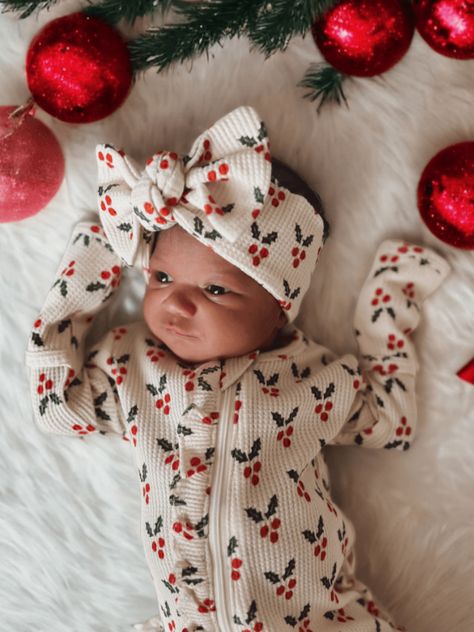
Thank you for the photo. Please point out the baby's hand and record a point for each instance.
(88, 275)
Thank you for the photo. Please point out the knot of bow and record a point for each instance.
(217, 189)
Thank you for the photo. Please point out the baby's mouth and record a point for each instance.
(178, 332)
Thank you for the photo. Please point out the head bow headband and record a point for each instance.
(223, 179)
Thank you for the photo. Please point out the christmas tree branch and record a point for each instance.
(25, 6)
(114, 10)
(205, 24)
(279, 20)
(325, 83)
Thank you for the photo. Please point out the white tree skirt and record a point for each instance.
(71, 554)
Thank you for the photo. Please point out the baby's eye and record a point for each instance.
(162, 277)
(217, 290)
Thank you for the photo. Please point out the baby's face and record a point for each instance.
(201, 306)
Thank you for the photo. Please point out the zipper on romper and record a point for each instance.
(217, 508)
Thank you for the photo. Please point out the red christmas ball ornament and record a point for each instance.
(365, 37)
(78, 69)
(31, 164)
(446, 195)
(447, 26)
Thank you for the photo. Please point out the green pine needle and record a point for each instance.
(279, 20)
(325, 83)
(25, 6)
(204, 24)
(114, 10)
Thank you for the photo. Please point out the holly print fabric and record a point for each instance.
(238, 525)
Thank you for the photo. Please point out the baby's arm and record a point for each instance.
(383, 414)
(74, 393)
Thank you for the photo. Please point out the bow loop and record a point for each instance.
(220, 186)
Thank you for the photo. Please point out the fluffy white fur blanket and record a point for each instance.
(71, 555)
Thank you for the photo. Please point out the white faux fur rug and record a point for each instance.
(71, 555)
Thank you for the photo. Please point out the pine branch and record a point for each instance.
(26, 6)
(205, 24)
(114, 10)
(325, 83)
(279, 20)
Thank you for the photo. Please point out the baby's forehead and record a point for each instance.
(176, 247)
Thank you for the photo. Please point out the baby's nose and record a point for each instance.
(181, 302)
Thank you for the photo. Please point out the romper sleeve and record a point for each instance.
(73, 391)
(383, 413)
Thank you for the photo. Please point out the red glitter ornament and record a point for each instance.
(31, 164)
(365, 37)
(446, 195)
(78, 69)
(447, 26)
(467, 372)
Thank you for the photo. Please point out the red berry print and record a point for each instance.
(207, 606)
(197, 466)
(107, 158)
(119, 332)
(409, 291)
(157, 546)
(403, 429)
(185, 529)
(189, 384)
(394, 343)
(134, 432)
(155, 354)
(372, 608)
(271, 530)
(342, 617)
(236, 563)
(69, 269)
(284, 435)
(302, 492)
(234, 560)
(237, 404)
(389, 258)
(163, 403)
(276, 195)
(146, 492)
(44, 384)
(70, 376)
(380, 297)
(324, 404)
(210, 419)
(119, 374)
(252, 472)
(83, 430)
(106, 205)
(320, 549)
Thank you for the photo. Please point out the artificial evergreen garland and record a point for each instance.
(196, 26)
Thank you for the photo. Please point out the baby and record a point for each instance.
(226, 404)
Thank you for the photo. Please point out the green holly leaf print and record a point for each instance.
(94, 287)
(272, 577)
(247, 141)
(63, 288)
(36, 339)
(43, 405)
(262, 132)
(259, 197)
(228, 208)
(54, 398)
(132, 413)
(232, 546)
(63, 325)
(152, 389)
(125, 226)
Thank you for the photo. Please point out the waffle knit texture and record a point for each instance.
(238, 525)
(222, 194)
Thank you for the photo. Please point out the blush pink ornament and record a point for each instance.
(31, 163)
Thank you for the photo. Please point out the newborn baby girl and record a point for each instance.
(226, 404)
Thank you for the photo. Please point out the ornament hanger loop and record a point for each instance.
(17, 116)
